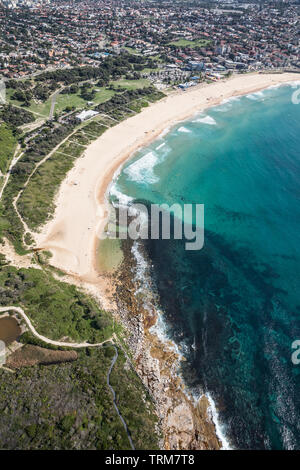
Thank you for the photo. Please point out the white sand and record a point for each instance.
(71, 234)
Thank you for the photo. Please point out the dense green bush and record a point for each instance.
(69, 406)
(7, 147)
(56, 309)
(15, 116)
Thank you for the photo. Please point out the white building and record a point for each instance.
(84, 115)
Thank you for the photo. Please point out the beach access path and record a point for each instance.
(21, 312)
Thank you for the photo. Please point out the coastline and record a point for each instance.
(186, 422)
(72, 236)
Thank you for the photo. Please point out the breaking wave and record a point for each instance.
(184, 130)
(142, 170)
(206, 120)
(160, 329)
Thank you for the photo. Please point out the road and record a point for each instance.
(53, 101)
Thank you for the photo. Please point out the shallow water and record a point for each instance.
(234, 306)
(9, 330)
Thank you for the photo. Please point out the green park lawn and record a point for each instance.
(192, 44)
(75, 100)
(62, 101)
(132, 84)
(42, 109)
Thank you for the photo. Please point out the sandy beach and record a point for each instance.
(71, 235)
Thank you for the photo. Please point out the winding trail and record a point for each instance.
(48, 340)
(114, 398)
(21, 312)
(14, 160)
(78, 345)
(16, 199)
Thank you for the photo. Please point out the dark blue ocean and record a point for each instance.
(233, 306)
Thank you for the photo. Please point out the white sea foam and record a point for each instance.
(184, 130)
(122, 198)
(160, 330)
(292, 84)
(142, 277)
(160, 146)
(231, 99)
(164, 132)
(113, 190)
(196, 395)
(223, 108)
(219, 428)
(206, 120)
(256, 95)
(274, 87)
(288, 439)
(141, 266)
(259, 93)
(226, 104)
(252, 96)
(142, 170)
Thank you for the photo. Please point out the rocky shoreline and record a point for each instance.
(184, 424)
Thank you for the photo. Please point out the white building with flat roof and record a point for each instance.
(84, 115)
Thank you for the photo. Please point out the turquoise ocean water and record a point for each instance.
(234, 306)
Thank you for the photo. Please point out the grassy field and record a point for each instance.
(69, 100)
(62, 101)
(75, 100)
(36, 201)
(42, 109)
(40, 145)
(192, 44)
(7, 147)
(132, 84)
(102, 95)
(131, 50)
(150, 70)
